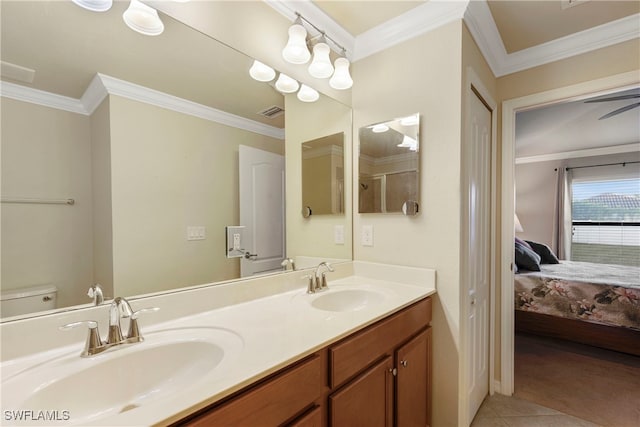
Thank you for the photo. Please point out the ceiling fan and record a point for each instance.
(617, 98)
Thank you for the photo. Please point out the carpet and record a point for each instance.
(593, 384)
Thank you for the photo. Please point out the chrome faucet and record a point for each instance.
(318, 282)
(288, 264)
(321, 281)
(95, 292)
(119, 308)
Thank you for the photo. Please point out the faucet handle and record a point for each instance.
(134, 330)
(93, 338)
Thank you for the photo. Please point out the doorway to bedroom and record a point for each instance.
(539, 363)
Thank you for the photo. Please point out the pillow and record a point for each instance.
(526, 258)
(523, 242)
(546, 254)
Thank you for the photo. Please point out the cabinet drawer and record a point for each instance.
(272, 402)
(350, 356)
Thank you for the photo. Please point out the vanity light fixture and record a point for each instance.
(261, 72)
(307, 94)
(95, 5)
(286, 84)
(341, 78)
(296, 50)
(138, 16)
(320, 66)
(143, 19)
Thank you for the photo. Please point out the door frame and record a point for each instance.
(475, 87)
(510, 107)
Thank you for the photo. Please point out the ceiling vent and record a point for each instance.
(272, 112)
(566, 4)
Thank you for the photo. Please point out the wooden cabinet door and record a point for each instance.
(312, 418)
(367, 400)
(413, 382)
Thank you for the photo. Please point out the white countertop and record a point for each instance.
(274, 331)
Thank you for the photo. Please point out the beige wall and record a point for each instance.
(46, 153)
(101, 186)
(422, 75)
(535, 190)
(170, 171)
(313, 236)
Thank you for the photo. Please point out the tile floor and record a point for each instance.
(505, 411)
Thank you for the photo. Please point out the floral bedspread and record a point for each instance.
(597, 293)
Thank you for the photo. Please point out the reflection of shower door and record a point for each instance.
(388, 191)
(261, 210)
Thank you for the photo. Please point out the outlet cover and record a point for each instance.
(367, 235)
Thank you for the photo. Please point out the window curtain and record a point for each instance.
(561, 239)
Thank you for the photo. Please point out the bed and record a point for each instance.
(595, 304)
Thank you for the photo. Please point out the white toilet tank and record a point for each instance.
(27, 300)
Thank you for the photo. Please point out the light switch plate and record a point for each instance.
(338, 234)
(367, 235)
(196, 233)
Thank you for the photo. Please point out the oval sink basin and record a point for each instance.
(347, 299)
(88, 389)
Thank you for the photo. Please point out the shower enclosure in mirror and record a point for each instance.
(389, 166)
(150, 156)
(323, 175)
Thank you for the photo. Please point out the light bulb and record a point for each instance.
(143, 19)
(321, 67)
(341, 79)
(261, 72)
(409, 120)
(380, 128)
(307, 94)
(296, 51)
(286, 84)
(94, 5)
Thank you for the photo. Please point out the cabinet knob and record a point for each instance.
(404, 363)
(393, 371)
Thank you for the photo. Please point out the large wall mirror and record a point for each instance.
(389, 171)
(145, 135)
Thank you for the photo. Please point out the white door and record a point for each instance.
(477, 252)
(261, 210)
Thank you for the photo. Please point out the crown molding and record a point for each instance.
(598, 37)
(478, 18)
(95, 93)
(160, 99)
(103, 85)
(588, 152)
(40, 97)
(417, 21)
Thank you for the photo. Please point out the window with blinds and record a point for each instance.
(606, 220)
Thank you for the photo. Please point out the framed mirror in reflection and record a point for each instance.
(323, 175)
(389, 173)
(144, 135)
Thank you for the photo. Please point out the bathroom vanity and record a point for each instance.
(372, 377)
(260, 351)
